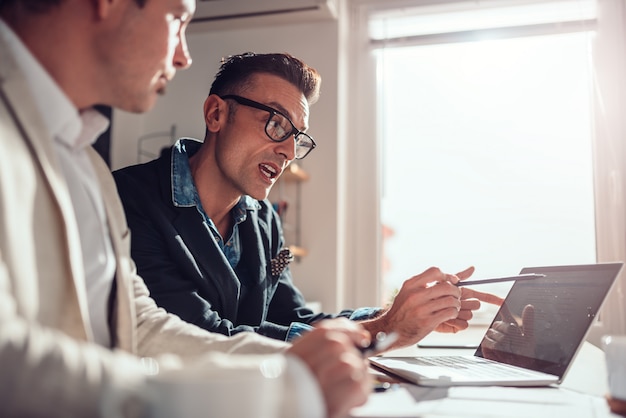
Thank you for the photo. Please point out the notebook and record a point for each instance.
(533, 338)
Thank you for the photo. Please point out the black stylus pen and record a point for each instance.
(526, 276)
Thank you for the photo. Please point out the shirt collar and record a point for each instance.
(240, 211)
(61, 118)
(184, 193)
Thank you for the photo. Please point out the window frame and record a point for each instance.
(363, 165)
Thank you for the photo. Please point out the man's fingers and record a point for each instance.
(470, 304)
(465, 315)
(465, 273)
(468, 293)
(456, 324)
(433, 275)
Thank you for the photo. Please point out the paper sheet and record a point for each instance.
(406, 400)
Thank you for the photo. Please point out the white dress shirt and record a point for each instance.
(72, 132)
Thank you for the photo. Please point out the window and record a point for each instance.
(544, 141)
(487, 155)
(486, 152)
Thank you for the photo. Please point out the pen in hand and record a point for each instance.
(379, 343)
(520, 277)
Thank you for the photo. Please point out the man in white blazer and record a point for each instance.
(75, 319)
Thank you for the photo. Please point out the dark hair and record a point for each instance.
(40, 6)
(31, 6)
(236, 72)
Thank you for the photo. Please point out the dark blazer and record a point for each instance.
(188, 274)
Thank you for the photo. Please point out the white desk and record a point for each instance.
(581, 395)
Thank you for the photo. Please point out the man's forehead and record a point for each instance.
(280, 94)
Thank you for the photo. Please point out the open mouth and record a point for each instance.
(268, 171)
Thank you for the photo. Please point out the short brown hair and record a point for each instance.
(236, 73)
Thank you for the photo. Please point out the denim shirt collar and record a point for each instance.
(184, 192)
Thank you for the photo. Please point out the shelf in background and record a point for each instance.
(289, 195)
(294, 172)
(298, 251)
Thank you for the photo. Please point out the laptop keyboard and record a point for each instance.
(471, 366)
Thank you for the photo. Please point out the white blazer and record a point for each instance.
(49, 365)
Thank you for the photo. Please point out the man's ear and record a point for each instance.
(215, 113)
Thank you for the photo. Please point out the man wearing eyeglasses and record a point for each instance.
(207, 241)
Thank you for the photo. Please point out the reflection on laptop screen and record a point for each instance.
(543, 321)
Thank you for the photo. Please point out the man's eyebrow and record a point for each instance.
(280, 108)
(284, 111)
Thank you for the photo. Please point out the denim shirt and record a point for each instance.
(185, 194)
(296, 329)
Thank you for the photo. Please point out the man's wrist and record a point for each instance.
(379, 323)
(297, 329)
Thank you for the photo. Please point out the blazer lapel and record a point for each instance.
(256, 247)
(254, 264)
(15, 89)
(123, 308)
(211, 260)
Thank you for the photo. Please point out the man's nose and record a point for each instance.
(182, 58)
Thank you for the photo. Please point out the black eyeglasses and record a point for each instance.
(279, 127)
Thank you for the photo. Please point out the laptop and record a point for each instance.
(533, 338)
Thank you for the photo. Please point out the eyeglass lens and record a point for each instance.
(278, 128)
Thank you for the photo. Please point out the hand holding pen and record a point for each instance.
(381, 342)
(471, 299)
(519, 277)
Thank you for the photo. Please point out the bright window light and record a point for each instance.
(487, 155)
(455, 17)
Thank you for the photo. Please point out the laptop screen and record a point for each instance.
(543, 321)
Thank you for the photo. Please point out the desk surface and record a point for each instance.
(582, 393)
